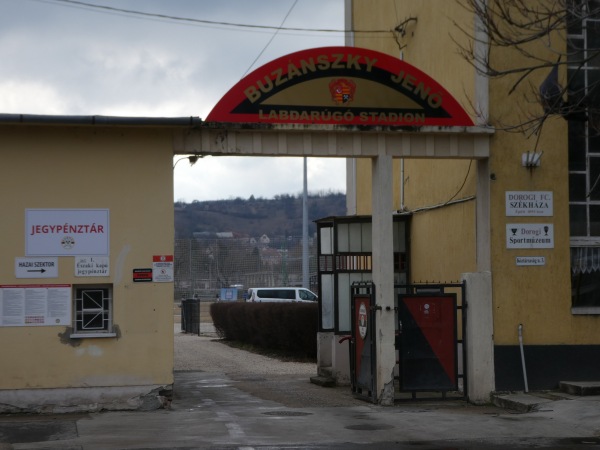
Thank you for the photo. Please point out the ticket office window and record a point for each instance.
(93, 311)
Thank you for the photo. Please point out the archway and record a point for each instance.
(352, 103)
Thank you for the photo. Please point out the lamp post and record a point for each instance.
(305, 274)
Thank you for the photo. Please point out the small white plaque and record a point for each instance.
(531, 260)
(92, 266)
(529, 235)
(529, 203)
(36, 267)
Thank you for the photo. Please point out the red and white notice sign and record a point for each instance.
(162, 268)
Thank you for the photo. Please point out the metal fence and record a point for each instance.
(204, 266)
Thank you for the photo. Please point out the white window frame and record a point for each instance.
(92, 303)
(588, 240)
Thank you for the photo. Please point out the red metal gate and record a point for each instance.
(431, 355)
(362, 343)
(428, 342)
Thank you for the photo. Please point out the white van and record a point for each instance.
(281, 294)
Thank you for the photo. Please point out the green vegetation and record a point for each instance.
(279, 216)
(288, 329)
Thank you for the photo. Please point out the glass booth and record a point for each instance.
(344, 257)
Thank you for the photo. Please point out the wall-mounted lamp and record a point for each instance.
(531, 159)
(192, 159)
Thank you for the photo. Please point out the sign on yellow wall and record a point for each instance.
(529, 235)
(67, 232)
(35, 305)
(529, 203)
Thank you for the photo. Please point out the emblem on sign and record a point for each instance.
(67, 242)
(342, 91)
(362, 320)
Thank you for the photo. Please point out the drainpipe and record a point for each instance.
(481, 51)
(523, 357)
(402, 185)
(402, 166)
(349, 23)
(351, 205)
(305, 261)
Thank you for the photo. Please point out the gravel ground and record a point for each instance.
(268, 378)
(206, 353)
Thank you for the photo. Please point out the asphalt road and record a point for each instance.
(284, 382)
(226, 398)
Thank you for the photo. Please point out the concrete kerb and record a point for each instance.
(519, 401)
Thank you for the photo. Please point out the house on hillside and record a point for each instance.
(270, 256)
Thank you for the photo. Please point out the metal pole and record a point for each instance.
(523, 357)
(305, 274)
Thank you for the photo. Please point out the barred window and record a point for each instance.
(92, 311)
(583, 43)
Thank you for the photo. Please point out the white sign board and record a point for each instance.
(36, 267)
(66, 232)
(529, 203)
(92, 266)
(531, 260)
(35, 305)
(162, 268)
(529, 235)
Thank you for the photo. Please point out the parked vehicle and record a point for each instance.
(281, 294)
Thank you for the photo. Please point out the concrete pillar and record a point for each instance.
(480, 313)
(479, 341)
(351, 206)
(482, 210)
(325, 353)
(383, 277)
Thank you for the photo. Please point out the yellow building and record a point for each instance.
(542, 235)
(85, 281)
(86, 289)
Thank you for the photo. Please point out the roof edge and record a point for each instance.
(40, 119)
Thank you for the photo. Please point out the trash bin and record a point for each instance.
(190, 316)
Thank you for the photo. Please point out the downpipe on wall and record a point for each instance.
(523, 357)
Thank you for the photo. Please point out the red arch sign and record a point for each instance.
(340, 86)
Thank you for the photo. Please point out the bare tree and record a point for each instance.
(549, 37)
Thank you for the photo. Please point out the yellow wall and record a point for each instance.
(537, 297)
(425, 43)
(128, 171)
(443, 240)
(424, 185)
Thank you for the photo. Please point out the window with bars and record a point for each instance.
(93, 311)
(583, 44)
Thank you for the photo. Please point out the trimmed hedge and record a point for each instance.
(287, 327)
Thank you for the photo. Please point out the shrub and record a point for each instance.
(286, 327)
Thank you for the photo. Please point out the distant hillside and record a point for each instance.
(280, 216)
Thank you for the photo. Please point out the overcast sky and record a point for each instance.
(63, 57)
